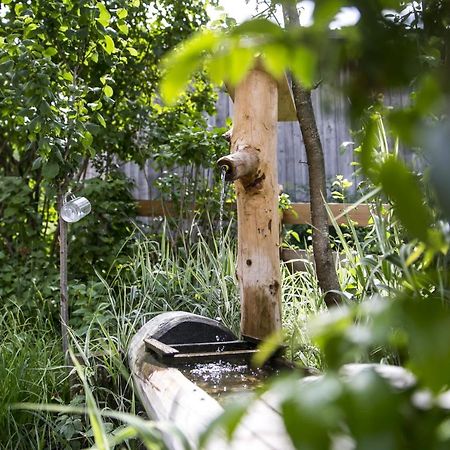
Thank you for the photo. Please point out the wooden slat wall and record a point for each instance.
(334, 129)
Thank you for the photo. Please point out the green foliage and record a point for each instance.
(339, 189)
(409, 55)
(71, 67)
(182, 149)
(29, 272)
(157, 277)
(69, 70)
(108, 226)
(78, 86)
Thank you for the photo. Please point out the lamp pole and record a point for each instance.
(64, 293)
(70, 211)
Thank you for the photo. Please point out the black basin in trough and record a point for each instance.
(179, 338)
(183, 328)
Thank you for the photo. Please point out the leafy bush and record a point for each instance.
(96, 241)
(29, 275)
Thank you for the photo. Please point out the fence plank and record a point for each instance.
(300, 213)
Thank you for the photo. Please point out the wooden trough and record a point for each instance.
(166, 342)
(155, 355)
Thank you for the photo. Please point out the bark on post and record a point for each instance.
(253, 164)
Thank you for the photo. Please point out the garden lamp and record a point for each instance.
(74, 208)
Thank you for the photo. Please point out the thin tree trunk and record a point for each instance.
(323, 256)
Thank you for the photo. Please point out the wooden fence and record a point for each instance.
(299, 214)
(334, 127)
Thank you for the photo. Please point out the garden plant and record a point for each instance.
(87, 84)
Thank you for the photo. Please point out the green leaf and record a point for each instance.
(37, 163)
(18, 8)
(241, 60)
(6, 66)
(108, 90)
(123, 27)
(180, 64)
(109, 44)
(104, 15)
(404, 190)
(310, 412)
(227, 421)
(427, 324)
(50, 51)
(276, 58)
(50, 170)
(268, 347)
(35, 124)
(325, 11)
(98, 429)
(416, 254)
(68, 76)
(87, 139)
(303, 65)
(372, 404)
(122, 13)
(101, 120)
(132, 51)
(44, 108)
(258, 26)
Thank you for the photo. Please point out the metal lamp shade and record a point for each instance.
(75, 209)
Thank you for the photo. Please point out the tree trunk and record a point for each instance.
(323, 256)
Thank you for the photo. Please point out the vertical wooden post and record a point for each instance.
(64, 294)
(253, 163)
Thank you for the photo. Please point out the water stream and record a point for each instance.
(223, 172)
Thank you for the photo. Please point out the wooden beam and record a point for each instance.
(300, 213)
(155, 208)
(258, 253)
(159, 348)
(285, 103)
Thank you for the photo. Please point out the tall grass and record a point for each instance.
(195, 274)
(165, 276)
(30, 371)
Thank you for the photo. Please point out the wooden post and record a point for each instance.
(253, 164)
(64, 294)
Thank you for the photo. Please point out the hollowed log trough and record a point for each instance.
(175, 338)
